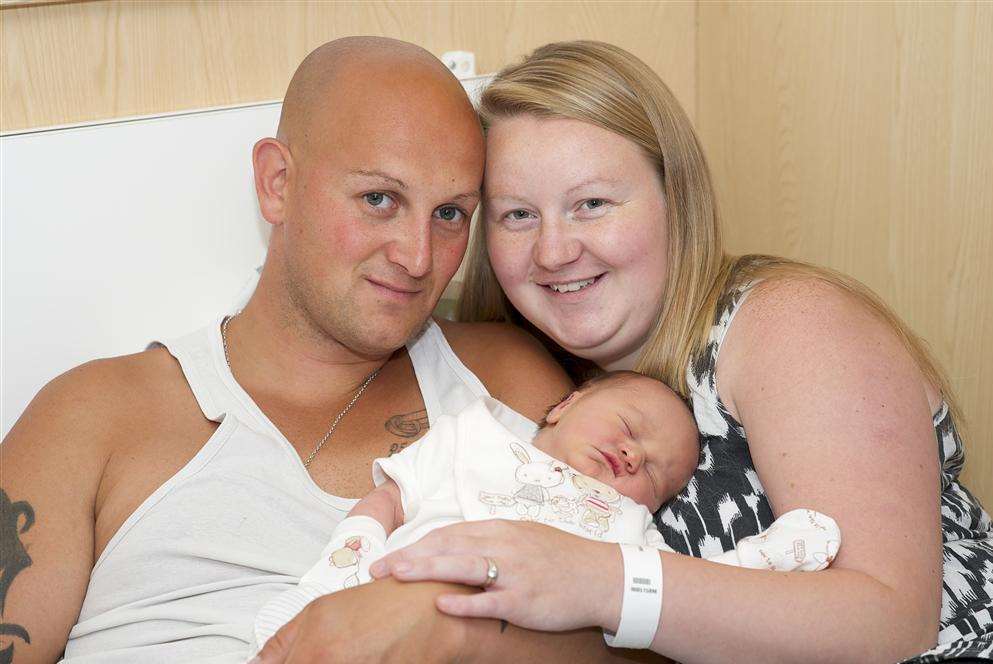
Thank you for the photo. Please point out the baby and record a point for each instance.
(605, 458)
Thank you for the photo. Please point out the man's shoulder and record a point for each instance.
(472, 335)
(94, 398)
(127, 377)
(490, 349)
(513, 365)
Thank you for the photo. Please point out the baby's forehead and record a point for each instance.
(634, 390)
(650, 402)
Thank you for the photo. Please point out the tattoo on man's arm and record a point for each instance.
(408, 426)
(13, 559)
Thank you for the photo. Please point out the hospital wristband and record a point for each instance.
(641, 606)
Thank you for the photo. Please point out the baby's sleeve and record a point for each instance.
(356, 543)
(402, 469)
(420, 467)
(798, 541)
(653, 539)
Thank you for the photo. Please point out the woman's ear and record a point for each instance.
(555, 414)
(271, 161)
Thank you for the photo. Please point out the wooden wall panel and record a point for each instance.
(76, 62)
(855, 135)
(859, 135)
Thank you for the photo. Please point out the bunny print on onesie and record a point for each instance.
(526, 484)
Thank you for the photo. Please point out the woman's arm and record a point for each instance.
(838, 420)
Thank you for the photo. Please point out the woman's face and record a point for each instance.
(576, 228)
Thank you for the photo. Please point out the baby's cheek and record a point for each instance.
(640, 491)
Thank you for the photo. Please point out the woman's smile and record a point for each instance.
(572, 291)
(576, 229)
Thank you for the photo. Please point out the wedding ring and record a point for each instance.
(491, 573)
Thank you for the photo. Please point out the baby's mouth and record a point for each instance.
(612, 461)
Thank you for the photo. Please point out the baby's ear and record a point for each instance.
(555, 414)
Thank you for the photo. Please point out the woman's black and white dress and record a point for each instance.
(725, 501)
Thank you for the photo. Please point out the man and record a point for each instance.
(175, 528)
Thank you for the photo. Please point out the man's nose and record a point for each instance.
(411, 247)
(557, 245)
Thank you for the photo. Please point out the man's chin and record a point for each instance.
(384, 335)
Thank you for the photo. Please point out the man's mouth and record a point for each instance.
(396, 288)
(572, 286)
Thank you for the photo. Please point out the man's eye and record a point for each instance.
(450, 213)
(518, 215)
(378, 199)
(594, 203)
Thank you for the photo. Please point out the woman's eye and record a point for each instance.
(450, 213)
(594, 207)
(378, 199)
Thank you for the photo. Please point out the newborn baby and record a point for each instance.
(605, 458)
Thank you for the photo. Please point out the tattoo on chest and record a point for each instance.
(409, 426)
(394, 448)
(13, 559)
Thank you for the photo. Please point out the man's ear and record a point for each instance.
(555, 414)
(271, 161)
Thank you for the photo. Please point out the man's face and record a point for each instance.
(378, 204)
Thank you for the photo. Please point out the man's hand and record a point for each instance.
(385, 621)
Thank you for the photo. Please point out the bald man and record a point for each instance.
(162, 498)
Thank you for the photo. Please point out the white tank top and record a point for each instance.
(183, 578)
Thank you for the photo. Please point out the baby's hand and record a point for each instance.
(382, 504)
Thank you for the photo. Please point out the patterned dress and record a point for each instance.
(725, 501)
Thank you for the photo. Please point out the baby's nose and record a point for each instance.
(632, 459)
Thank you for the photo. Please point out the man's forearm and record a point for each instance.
(389, 620)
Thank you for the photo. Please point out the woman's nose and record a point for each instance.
(557, 246)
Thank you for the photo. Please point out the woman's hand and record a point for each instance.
(547, 579)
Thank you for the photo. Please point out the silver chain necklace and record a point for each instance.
(337, 419)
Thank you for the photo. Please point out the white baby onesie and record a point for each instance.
(470, 468)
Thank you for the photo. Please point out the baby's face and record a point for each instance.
(634, 435)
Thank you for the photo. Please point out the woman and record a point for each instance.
(600, 229)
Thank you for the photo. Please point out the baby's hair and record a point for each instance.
(609, 377)
(600, 380)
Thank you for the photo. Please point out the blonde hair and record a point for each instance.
(608, 87)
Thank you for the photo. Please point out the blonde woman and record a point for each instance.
(600, 230)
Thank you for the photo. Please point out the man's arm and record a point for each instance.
(349, 626)
(51, 462)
